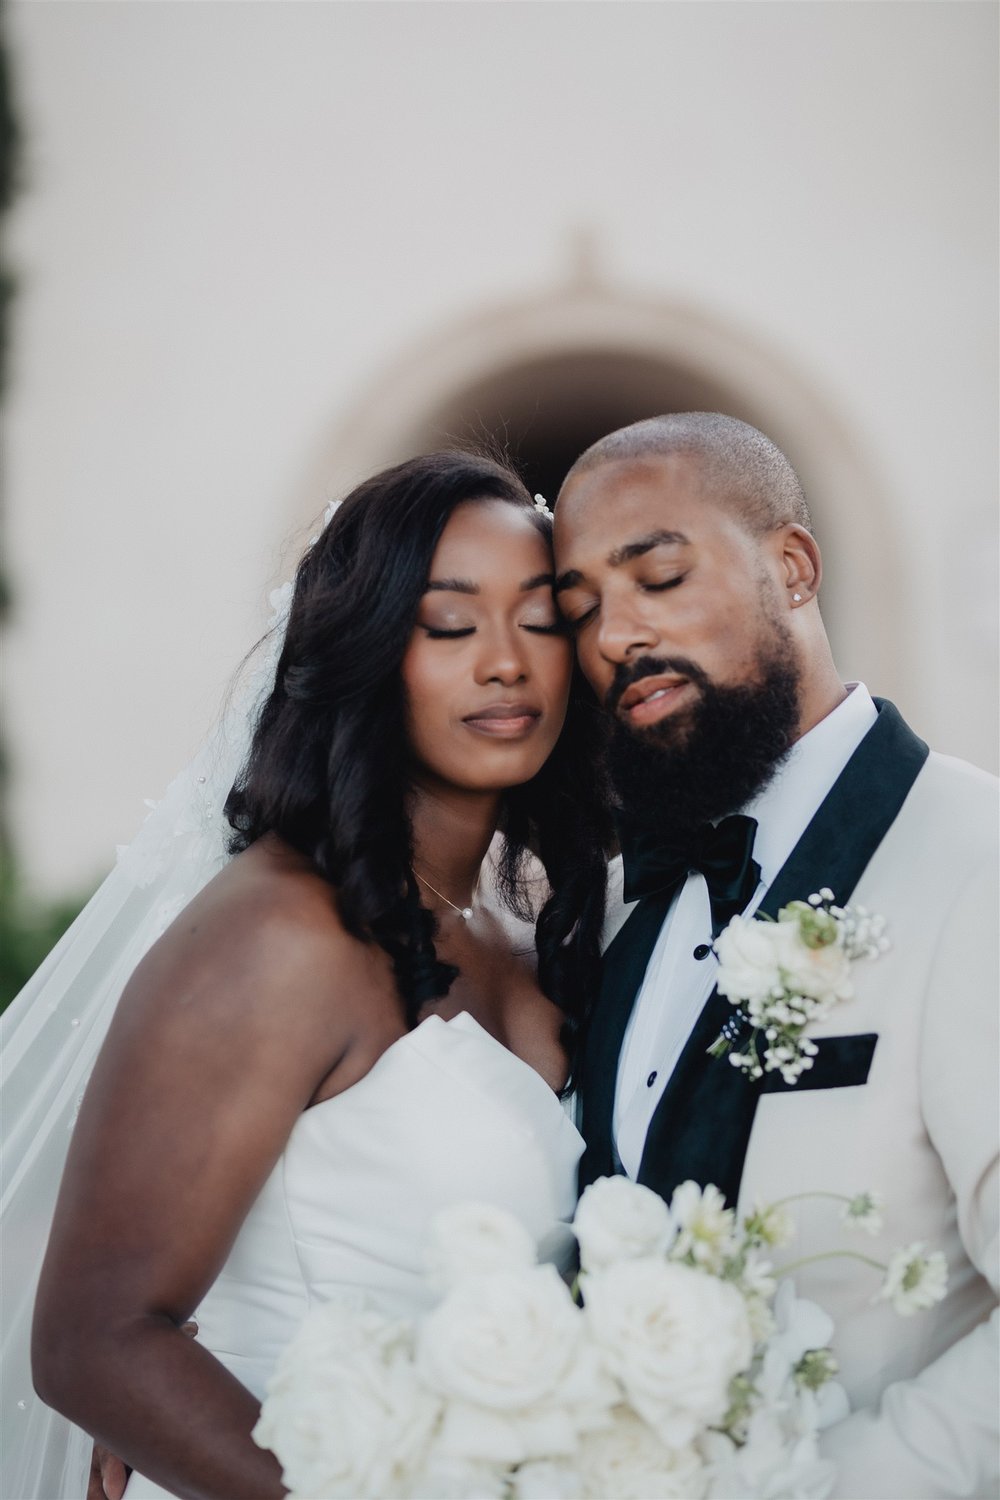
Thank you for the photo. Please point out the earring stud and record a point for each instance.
(796, 598)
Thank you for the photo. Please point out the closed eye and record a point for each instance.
(448, 635)
(658, 588)
(557, 627)
(577, 622)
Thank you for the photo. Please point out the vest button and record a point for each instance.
(651, 1079)
(703, 950)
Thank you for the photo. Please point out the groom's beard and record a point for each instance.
(699, 764)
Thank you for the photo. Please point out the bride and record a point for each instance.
(343, 1031)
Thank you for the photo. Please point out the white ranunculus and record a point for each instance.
(471, 1239)
(620, 1220)
(749, 952)
(627, 1461)
(821, 974)
(345, 1412)
(507, 1353)
(673, 1336)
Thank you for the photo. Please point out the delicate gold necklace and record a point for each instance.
(466, 912)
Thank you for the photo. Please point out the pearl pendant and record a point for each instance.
(467, 913)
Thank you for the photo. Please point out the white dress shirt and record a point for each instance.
(677, 982)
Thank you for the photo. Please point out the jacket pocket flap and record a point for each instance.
(841, 1062)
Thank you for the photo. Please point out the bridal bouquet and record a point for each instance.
(674, 1367)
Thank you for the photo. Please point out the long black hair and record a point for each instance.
(329, 767)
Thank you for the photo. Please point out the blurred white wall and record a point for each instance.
(242, 221)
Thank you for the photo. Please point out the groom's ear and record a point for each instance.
(799, 562)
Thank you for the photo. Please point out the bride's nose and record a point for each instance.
(501, 658)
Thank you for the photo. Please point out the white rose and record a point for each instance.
(627, 1461)
(508, 1354)
(620, 1220)
(345, 1412)
(502, 1341)
(748, 952)
(674, 1337)
(472, 1239)
(821, 974)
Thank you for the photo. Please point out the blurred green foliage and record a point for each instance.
(27, 929)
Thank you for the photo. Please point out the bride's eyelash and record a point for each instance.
(436, 634)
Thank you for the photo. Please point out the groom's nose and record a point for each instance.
(625, 630)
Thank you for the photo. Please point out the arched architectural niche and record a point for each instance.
(547, 375)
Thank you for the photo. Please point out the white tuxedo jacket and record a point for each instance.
(903, 1098)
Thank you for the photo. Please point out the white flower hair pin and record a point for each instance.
(542, 507)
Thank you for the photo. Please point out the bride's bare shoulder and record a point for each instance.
(268, 921)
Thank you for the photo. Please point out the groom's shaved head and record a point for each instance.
(739, 467)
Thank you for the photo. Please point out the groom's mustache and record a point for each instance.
(626, 673)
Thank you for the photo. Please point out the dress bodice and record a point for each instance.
(446, 1114)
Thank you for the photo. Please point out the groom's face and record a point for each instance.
(667, 592)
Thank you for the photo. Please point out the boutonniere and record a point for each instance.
(784, 976)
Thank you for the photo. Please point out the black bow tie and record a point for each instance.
(723, 854)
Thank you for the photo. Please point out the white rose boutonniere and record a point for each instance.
(785, 976)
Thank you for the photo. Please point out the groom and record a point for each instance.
(749, 776)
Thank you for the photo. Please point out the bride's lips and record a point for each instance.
(651, 698)
(504, 721)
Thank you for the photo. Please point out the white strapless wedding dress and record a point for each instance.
(446, 1114)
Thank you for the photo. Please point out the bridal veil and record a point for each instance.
(51, 1034)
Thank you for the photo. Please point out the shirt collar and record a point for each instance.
(786, 805)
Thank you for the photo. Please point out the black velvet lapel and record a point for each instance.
(622, 969)
(701, 1128)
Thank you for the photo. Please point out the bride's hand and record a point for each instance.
(108, 1475)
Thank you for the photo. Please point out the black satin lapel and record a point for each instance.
(701, 1128)
(622, 970)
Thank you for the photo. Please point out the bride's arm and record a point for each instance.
(220, 1041)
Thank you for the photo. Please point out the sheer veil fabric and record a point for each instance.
(51, 1034)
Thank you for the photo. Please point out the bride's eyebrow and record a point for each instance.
(452, 586)
(466, 585)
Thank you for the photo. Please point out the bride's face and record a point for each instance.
(487, 670)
